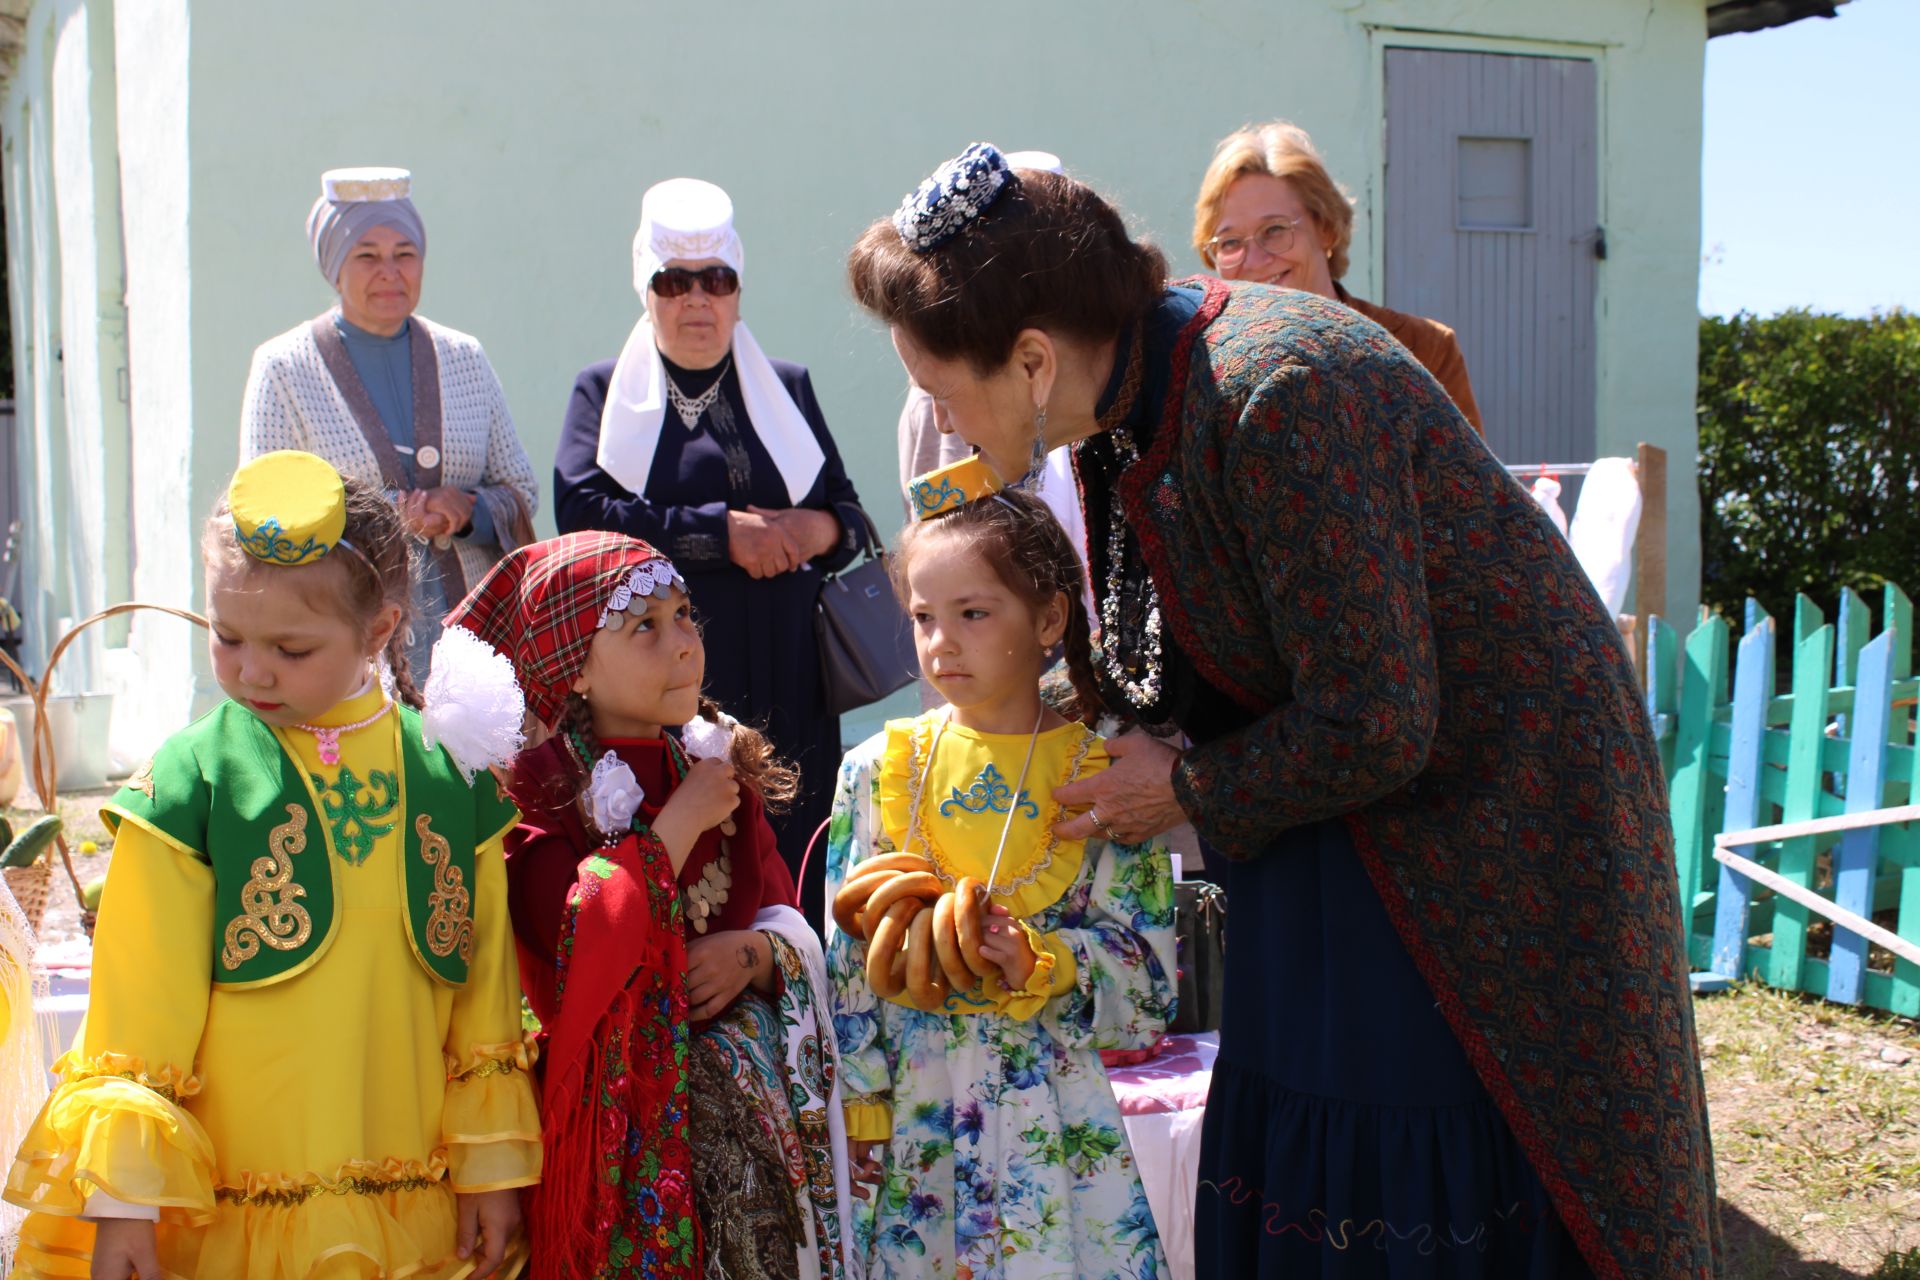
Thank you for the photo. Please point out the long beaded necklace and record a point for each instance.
(691, 407)
(1128, 652)
(326, 737)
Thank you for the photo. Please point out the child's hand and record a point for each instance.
(863, 1166)
(123, 1248)
(1005, 944)
(701, 802)
(488, 1220)
(720, 965)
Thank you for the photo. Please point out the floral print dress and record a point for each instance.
(1005, 1157)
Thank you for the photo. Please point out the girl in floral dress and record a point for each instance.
(987, 1128)
(688, 1101)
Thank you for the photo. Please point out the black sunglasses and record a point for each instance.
(673, 282)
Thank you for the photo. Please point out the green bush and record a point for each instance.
(1898, 1266)
(1809, 457)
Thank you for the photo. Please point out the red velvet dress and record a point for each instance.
(602, 934)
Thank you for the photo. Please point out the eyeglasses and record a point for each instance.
(1274, 239)
(674, 282)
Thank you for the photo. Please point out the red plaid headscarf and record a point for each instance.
(543, 603)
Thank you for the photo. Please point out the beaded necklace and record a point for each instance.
(1128, 652)
(326, 737)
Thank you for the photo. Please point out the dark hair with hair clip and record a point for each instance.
(754, 761)
(1049, 253)
(1030, 553)
(354, 581)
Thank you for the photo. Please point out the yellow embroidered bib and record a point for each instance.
(955, 810)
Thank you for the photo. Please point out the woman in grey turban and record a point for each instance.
(392, 399)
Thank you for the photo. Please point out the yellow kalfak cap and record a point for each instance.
(951, 487)
(288, 507)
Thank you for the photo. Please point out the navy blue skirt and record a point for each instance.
(1346, 1135)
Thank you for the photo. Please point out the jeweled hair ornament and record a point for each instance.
(958, 192)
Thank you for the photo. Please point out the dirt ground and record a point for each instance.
(1815, 1110)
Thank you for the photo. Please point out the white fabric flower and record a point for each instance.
(708, 739)
(613, 795)
(473, 704)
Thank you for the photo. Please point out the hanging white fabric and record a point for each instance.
(1603, 528)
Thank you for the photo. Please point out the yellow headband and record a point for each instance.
(951, 487)
(289, 508)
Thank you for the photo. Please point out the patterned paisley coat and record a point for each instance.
(1337, 550)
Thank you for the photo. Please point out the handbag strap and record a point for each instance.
(870, 544)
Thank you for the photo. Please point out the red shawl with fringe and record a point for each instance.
(611, 996)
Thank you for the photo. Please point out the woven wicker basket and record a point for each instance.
(32, 885)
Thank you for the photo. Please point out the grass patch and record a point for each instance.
(1816, 1131)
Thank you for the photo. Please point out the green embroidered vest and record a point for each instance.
(228, 791)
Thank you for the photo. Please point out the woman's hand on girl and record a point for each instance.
(488, 1220)
(124, 1248)
(863, 1166)
(1129, 801)
(701, 802)
(719, 967)
(1005, 943)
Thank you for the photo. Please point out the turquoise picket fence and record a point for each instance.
(1829, 758)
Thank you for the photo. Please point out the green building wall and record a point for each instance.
(533, 130)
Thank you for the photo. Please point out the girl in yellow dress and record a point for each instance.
(302, 1054)
(980, 1110)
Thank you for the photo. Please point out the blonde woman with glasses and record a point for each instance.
(1270, 212)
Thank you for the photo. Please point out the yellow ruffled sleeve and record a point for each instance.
(1053, 974)
(869, 1121)
(490, 1123)
(115, 1122)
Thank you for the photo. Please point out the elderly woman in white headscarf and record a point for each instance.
(394, 400)
(698, 443)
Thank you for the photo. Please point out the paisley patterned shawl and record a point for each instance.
(1337, 550)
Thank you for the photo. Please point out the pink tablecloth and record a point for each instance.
(1162, 1101)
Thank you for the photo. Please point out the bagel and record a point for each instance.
(926, 984)
(946, 946)
(890, 862)
(920, 885)
(852, 898)
(969, 920)
(884, 948)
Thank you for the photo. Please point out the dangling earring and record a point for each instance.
(1037, 461)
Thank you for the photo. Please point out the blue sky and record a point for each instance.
(1811, 166)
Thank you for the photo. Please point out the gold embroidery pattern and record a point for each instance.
(269, 912)
(449, 906)
(491, 1067)
(142, 779)
(345, 1186)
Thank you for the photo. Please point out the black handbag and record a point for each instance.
(865, 636)
(1200, 933)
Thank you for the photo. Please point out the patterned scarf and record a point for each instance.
(616, 1200)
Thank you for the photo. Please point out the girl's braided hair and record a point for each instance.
(754, 760)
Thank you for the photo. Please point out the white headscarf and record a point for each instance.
(686, 218)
